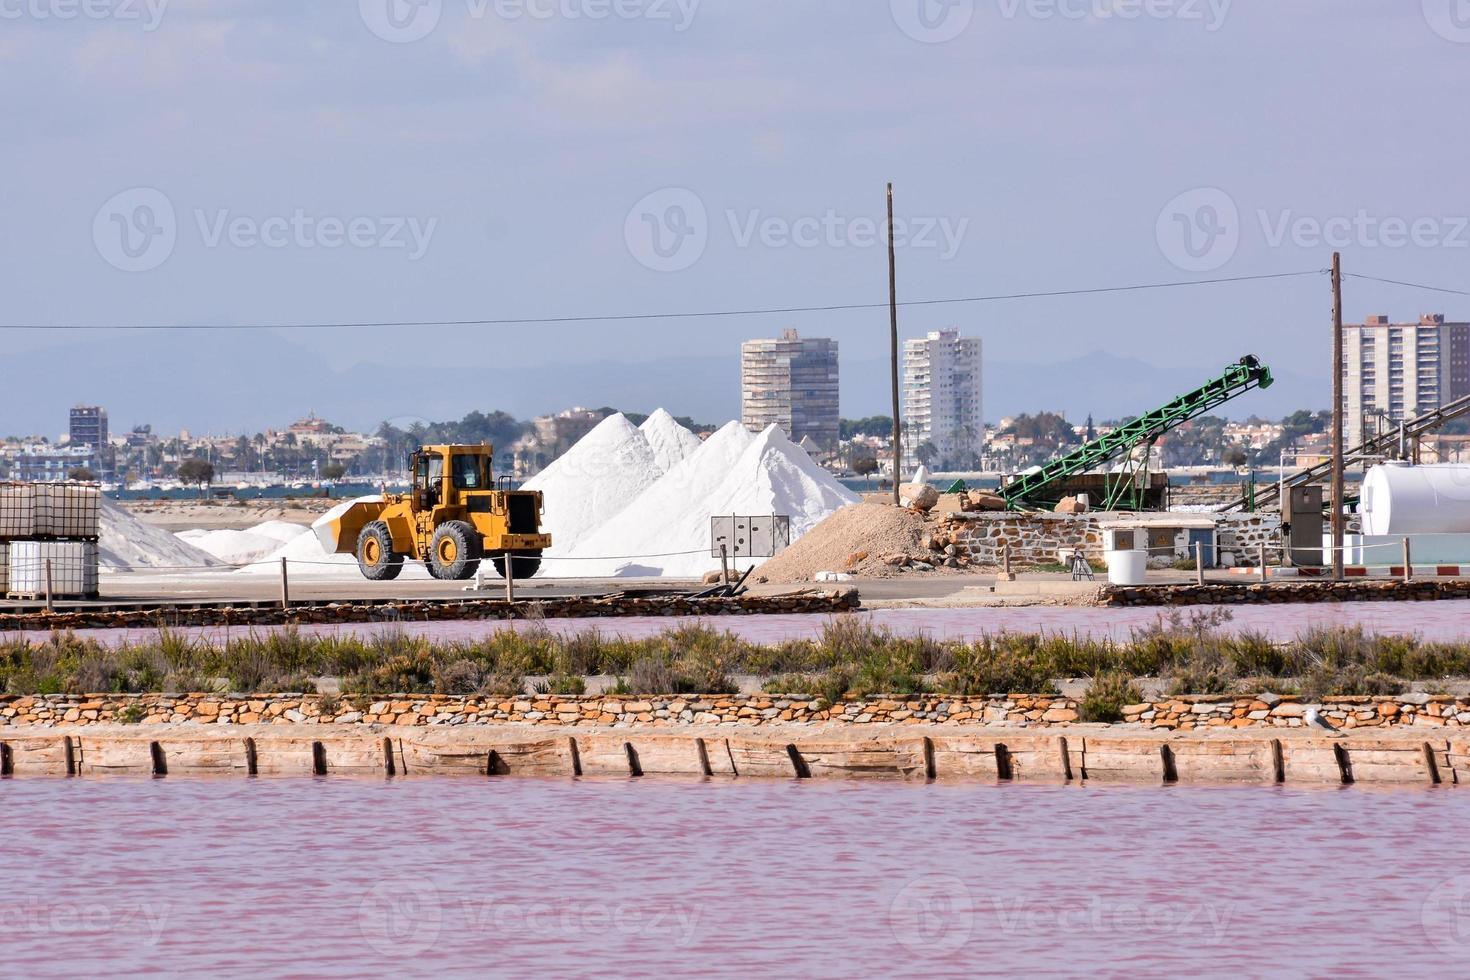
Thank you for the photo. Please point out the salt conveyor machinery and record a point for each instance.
(1379, 447)
(1029, 489)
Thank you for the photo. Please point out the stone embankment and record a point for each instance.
(617, 606)
(1188, 713)
(901, 752)
(1036, 538)
(1241, 593)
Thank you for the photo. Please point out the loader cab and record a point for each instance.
(443, 474)
(428, 479)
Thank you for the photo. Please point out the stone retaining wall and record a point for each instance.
(1036, 538)
(1232, 593)
(809, 601)
(1238, 539)
(1014, 711)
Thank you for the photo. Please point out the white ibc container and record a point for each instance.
(73, 567)
(17, 510)
(1127, 567)
(1401, 499)
(68, 510)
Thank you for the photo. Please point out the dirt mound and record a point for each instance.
(867, 540)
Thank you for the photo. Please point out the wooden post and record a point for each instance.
(724, 564)
(285, 587)
(893, 352)
(1005, 563)
(1408, 562)
(1338, 527)
(1263, 561)
(1199, 563)
(510, 577)
(49, 606)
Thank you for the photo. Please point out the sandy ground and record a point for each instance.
(232, 515)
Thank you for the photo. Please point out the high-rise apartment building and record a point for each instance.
(942, 401)
(89, 428)
(791, 382)
(1395, 371)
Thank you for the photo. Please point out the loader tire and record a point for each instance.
(375, 557)
(454, 551)
(526, 564)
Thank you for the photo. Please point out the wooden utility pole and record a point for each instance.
(1337, 419)
(893, 350)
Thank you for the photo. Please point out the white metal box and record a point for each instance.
(17, 510)
(73, 567)
(68, 510)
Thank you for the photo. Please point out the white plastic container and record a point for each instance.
(68, 510)
(1127, 567)
(1400, 499)
(73, 567)
(17, 510)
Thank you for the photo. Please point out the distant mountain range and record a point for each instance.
(237, 382)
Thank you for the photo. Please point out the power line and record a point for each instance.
(1411, 285)
(620, 317)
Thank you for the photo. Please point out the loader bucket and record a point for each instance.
(338, 528)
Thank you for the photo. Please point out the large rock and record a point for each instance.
(981, 500)
(1071, 505)
(919, 496)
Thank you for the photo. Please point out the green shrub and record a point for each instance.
(1106, 696)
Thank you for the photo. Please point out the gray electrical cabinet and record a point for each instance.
(1302, 526)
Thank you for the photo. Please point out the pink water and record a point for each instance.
(522, 877)
(1447, 620)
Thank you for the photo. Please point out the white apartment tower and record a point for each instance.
(1395, 371)
(942, 398)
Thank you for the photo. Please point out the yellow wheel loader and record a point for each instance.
(451, 519)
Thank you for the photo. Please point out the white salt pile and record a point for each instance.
(671, 442)
(127, 544)
(921, 475)
(243, 547)
(645, 526)
(587, 486)
(768, 475)
(306, 552)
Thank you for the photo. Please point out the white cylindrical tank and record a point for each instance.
(1399, 498)
(1127, 567)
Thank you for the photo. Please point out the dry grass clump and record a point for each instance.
(850, 657)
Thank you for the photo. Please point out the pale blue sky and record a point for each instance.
(502, 165)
